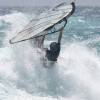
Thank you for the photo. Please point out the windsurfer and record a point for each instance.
(54, 51)
(55, 47)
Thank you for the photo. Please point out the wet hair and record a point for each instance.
(54, 46)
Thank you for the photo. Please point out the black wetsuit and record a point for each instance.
(53, 54)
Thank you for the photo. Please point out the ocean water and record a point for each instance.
(76, 75)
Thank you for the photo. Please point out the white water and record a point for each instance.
(23, 77)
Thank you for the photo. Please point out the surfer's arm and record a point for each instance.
(60, 36)
(42, 41)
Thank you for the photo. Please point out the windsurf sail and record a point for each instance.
(46, 23)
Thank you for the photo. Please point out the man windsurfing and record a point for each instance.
(54, 51)
(47, 22)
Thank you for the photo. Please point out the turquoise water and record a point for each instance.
(76, 75)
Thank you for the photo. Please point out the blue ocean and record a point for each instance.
(75, 76)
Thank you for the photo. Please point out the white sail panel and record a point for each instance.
(45, 20)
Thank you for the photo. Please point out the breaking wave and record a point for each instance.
(76, 75)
